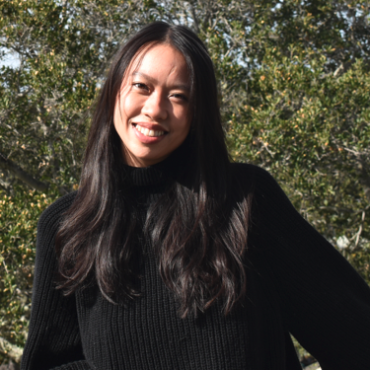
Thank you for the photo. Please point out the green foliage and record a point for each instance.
(304, 115)
(295, 87)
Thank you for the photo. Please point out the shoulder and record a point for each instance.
(53, 214)
(47, 228)
(266, 192)
(259, 178)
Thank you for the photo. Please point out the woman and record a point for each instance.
(171, 257)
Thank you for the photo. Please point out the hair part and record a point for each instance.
(96, 236)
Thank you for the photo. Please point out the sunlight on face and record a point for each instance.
(152, 113)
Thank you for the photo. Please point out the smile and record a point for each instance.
(147, 132)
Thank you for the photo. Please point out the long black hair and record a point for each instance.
(198, 232)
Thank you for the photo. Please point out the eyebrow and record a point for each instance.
(153, 80)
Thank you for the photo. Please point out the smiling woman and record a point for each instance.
(152, 115)
(169, 256)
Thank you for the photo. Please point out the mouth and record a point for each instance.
(149, 132)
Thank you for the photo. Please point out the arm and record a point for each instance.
(325, 303)
(54, 340)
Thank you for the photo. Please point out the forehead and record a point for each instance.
(161, 61)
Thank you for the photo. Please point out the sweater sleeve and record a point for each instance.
(324, 301)
(54, 340)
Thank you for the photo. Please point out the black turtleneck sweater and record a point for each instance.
(297, 283)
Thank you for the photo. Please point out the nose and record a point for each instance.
(155, 106)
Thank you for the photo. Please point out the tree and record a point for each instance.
(294, 81)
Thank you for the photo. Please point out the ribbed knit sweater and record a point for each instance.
(297, 283)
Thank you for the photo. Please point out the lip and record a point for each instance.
(150, 126)
(148, 139)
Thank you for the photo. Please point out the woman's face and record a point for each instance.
(152, 113)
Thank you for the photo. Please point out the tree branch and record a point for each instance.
(22, 175)
(195, 18)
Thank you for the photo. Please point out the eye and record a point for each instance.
(179, 96)
(140, 86)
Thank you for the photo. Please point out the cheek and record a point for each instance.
(132, 104)
(117, 118)
(126, 107)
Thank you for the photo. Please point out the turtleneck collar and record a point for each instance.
(161, 173)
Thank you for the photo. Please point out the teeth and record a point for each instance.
(147, 132)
